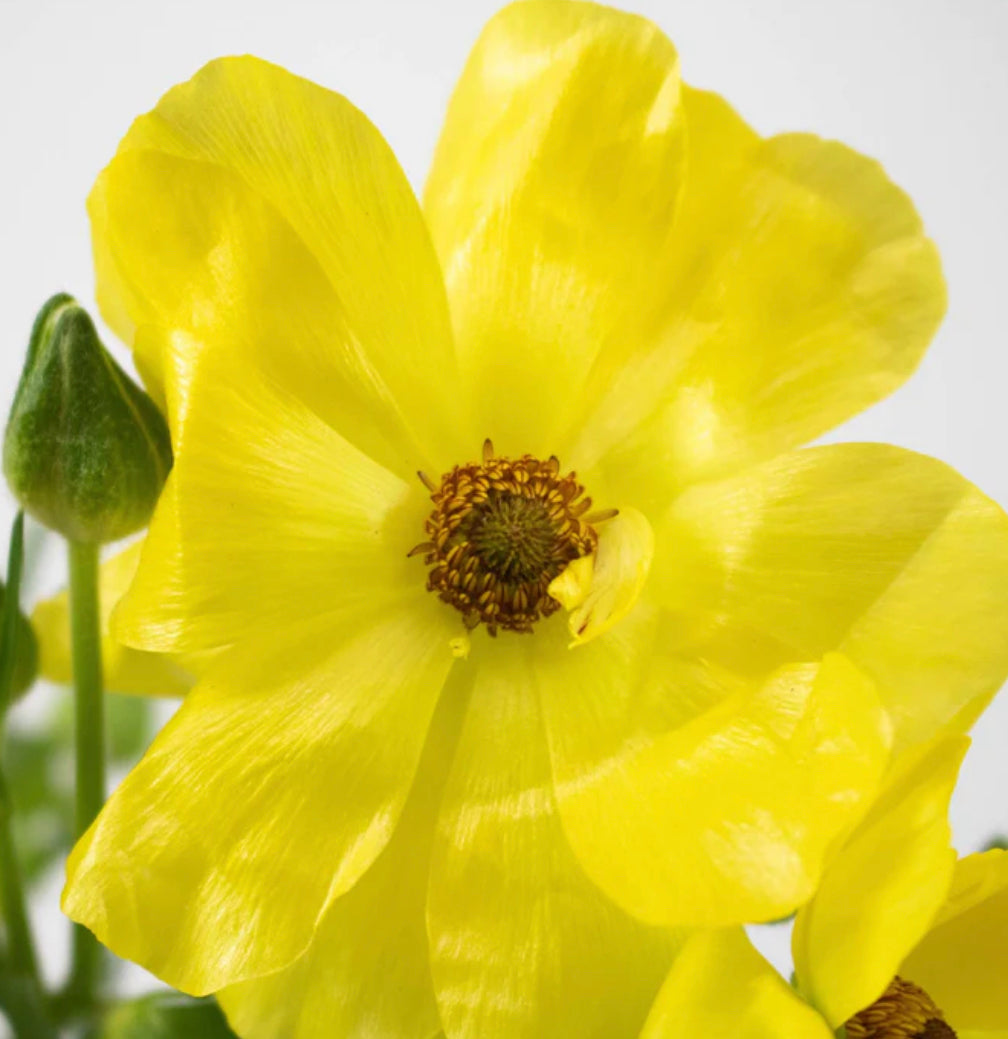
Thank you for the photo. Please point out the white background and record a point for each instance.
(920, 84)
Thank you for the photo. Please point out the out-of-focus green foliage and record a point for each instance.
(39, 766)
(26, 653)
(167, 1015)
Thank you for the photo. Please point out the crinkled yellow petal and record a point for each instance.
(882, 890)
(552, 195)
(269, 515)
(720, 987)
(886, 555)
(522, 944)
(367, 971)
(600, 590)
(255, 211)
(694, 799)
(963, 961)
(800, 290)
(124, 670)
(270, 792)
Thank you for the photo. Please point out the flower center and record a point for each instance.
(903, 1011)
(500, 532)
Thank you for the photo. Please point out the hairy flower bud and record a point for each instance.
(86, 450)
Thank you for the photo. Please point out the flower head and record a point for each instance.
(410, 793)
(901, 941)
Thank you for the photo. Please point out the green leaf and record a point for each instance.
(167, 1015)
(10, 627)
(25, 652)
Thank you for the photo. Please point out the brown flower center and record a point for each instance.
(500, 532)
(903, 1011)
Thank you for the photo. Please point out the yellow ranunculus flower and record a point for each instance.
(386, 810)
(900, 942)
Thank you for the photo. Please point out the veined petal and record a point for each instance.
(963, 961)
(522, 944)
(367, 971)
(124, 670)
(882, 890)
(553, 191)
(720, 987)
(204, 866)
(270, 513)
(890, 557)
(693, 797)
(254, 210)
(800, 290)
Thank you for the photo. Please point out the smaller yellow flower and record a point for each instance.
(900, 941)
(126, 670)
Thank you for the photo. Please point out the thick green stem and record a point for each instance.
(85, 633)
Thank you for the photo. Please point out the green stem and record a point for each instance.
(20, 948)
(85, 633)
(21, 993)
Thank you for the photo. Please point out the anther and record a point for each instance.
(601, 516)
(903, 1011)
(426, 481)
(424, 546)
(488, 451)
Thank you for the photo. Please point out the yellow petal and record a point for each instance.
(882, 890)
(890, 557)
(693, 798)
(601, 592)
(256, 212)
(124, 670)
(269, 793)
(721, 988)
(800, 290)
(271, 513)
(963, 961)
(553, 192)
(522, 944)
(367, 971)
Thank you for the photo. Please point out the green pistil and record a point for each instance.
(514, 536)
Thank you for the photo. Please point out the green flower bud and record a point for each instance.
(167, 1015)
(86, 450)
